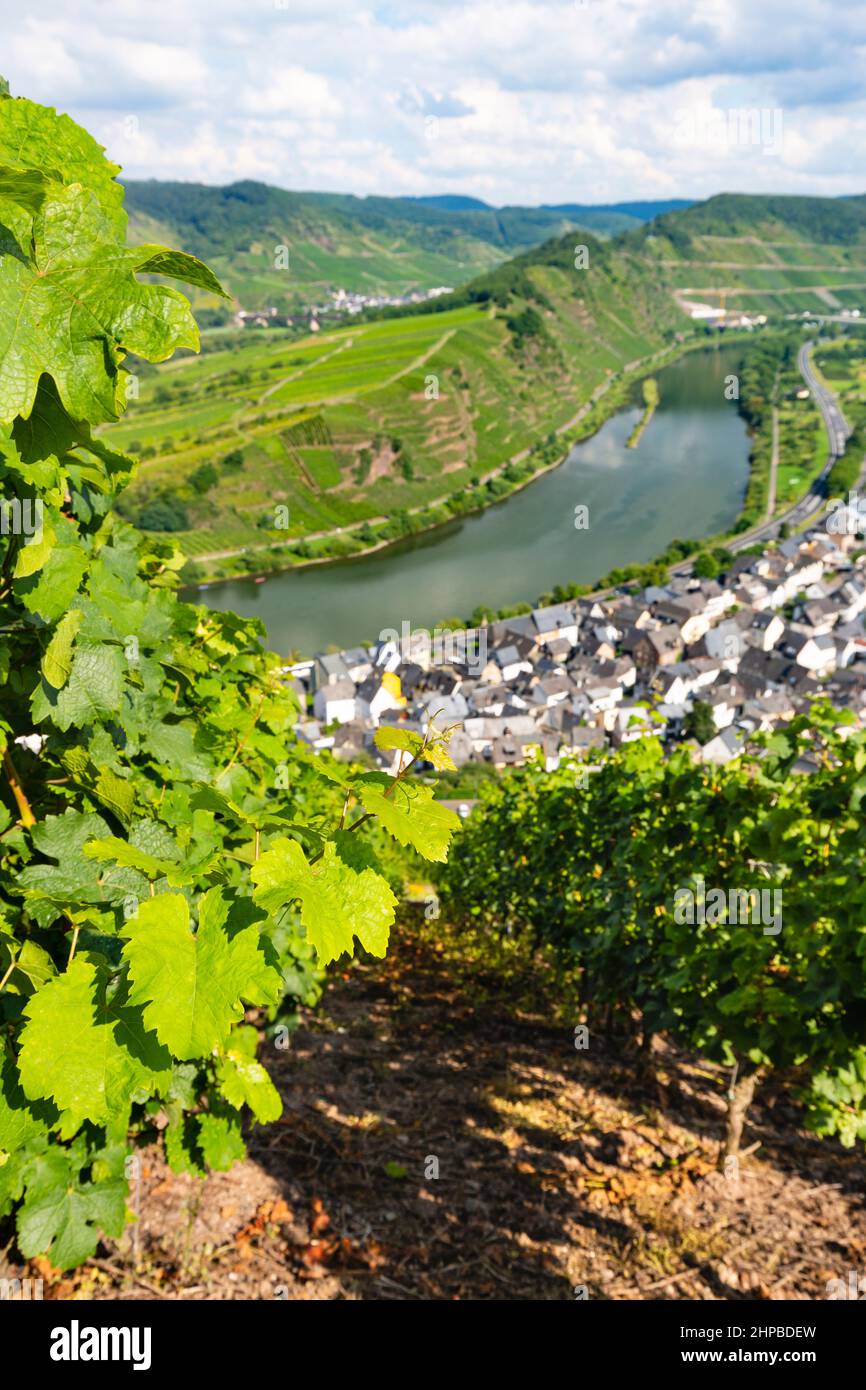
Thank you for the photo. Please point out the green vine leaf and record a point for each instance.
(78, 287)
(62, 1216)
(412, 816)
(338, 903)
(190, 985)
(57, 661)
(244, 1081)
(87, 1055)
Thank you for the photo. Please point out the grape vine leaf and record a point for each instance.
(50, 593)
(412, 816)
(61, 1216)
(388, 736)
(179, 265)
(338, 903)
(438, 756)
(34, 137)
(113, 850)
(93, 691)
(72, 878)
(220, 1141)
(86, 1055)
(191, 985)
(182, 1152)
(57, 661)
(20, 1122)
(252, 951)
(78, 288)
(33, 968)
(244, 1081)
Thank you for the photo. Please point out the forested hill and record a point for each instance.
(743, 253)
(753, 253)
(368, 245)
(827, 221)
(760, 254)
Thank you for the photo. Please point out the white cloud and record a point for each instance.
(292, 91)
(511, 100)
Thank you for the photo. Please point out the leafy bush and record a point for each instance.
(164, 513)
(203, 478)
(699, 722)
(592, 861)
(172, 862)
(527, 324)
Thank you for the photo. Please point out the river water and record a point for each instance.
(686, 478)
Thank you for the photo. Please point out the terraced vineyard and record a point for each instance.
(351, 426)
(770, 256)
(295, 449)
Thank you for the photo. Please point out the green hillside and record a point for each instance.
(379, 418)
(371, 429)
(337, 241)
(762, 254)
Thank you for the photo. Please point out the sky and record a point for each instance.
(512, 101)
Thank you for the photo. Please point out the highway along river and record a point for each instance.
(687, 477)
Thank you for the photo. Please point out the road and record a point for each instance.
(815, 499)
(774, 467)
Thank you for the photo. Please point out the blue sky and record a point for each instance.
(521, 101)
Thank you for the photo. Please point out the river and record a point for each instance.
(686, 478)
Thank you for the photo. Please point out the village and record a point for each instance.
(341, 304)
(709, 661)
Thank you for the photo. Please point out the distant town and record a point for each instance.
(711, 661)
(341, 304)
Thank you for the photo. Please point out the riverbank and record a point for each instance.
(687, 479)
(364, 539)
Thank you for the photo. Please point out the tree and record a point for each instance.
(204, 478)
(164, 513)
(706, 566)
(699, 722)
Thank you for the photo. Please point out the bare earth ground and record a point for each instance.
(557, 1169)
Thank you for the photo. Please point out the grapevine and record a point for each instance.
(170, 858)
(591, 858)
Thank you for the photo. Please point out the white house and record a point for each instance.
(722, 748)
(335, 702)
(555, 622)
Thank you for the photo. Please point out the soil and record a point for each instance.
(561, 1174)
